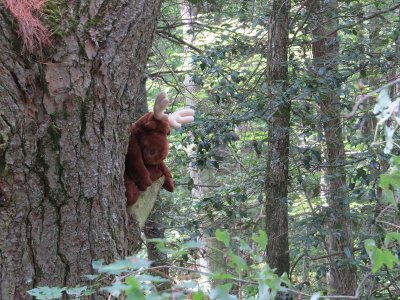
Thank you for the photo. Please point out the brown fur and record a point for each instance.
(144, 163)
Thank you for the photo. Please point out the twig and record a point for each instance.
(358, 291)
(311, 258)
(160, 73)
(175, 39)
(388, 223)
(366, 96)
(377, 14)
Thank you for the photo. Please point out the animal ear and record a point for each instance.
(151, 125)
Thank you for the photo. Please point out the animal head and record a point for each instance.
(153, 141)
(155, 127)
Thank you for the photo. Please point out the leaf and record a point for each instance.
(392, 236)
(132, 282)
(379, 257)
(186, 285)
(91, 277)
(151, 278)
(116, 289)
(348, 252)
(222, 236)
(315, 296)
(77, 291)
(389, 197)
(238, 262)
(190, 184)
(244, 246)
(383, 102)
(198, 295)
(382, 257)
(120, 266)
(235, 77)
(221, 292)
(261, 239)
(192, 245)
(134, 292)
(47, 293)
(97, 264)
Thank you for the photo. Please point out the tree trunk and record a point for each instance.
(155, 229)
(325, 48)
(276, 215)
(64, 123)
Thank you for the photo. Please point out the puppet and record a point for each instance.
(148, 147)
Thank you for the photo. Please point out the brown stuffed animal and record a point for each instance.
(148, 147)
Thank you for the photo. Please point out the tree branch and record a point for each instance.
(365, 97)
(177, 40)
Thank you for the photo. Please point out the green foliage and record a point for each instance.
(133, 278)
(261, 239)
(229, 138)
(390, 182)
(222, 236)
(228, 144)
(45, 293)
(380, 257)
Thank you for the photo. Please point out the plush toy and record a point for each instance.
(148, 147)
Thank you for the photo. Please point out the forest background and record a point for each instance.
(287, 182)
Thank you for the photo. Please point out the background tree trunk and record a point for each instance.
(325, 48)
(64, 122)
(155, 229)
(276, 213)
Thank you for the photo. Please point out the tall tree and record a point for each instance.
(325, 49)
(64, 123)
(276, 214)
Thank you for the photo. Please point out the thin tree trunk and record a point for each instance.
(155, 229)
(325, 48)
(213, 261)
(276, 215)
(64, 122)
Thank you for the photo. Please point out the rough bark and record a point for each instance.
(325, 48)
(64, 123)
(276, 214)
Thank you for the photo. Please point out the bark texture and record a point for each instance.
(64, 128)
(325, 48)
(276, 214)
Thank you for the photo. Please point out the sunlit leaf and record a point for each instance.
(261, 239)
(116, 289)
(222, 236)
(392, 236)
(77, 291)
(315, 296)
(46, 293)
(221, 292)
(198, 295)
(238, 262)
